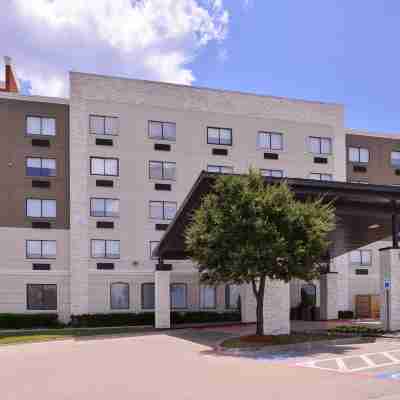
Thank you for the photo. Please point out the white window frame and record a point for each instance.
(163, 136)
(269, 146)
(358, 151)
(42, 202)
(362, 262)
(163, 205)
(41, 168)
(42, 246)
(163, 169)
(105, 130)
(320, 140)
(42, 119)
(104, 210)
(105, 254)
(104, 160)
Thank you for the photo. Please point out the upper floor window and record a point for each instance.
(36, 166)
(104, 166)
(40, 126)
(222, 169)
(363, 181)
(41, 249)
(274, 173)
(208, 297)
(41, 208)
(119, 296)
(320, 145)
(219, 136)
(152, 247)
(102, 125)
(270, 141)
(162, 170)
(162, 209)
(104, 207)
(361, 257)
(162, 130)
(105, 248)
(41, 296)
(358, 154)
(395, 158)
(320, 177)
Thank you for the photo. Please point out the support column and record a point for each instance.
(276, 308)
(162, 298)
(248, 304)
(329, 295)
(390, 288)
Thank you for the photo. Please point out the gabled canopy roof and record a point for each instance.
(364, 212)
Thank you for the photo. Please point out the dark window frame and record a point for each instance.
(150, 251)
(41, 168)
(320, 138)
(104, 214)
(41, 125)
(104, 159)
(273, 170)
(219, 136)
(105, 257)
(129, 295)
(219, 168)
(186, 295)
(269, 133)
(162, 130)
(41, 208)
(142, 295)
(163, 202)
(104, 125)
(41, 249)
(162, 171)
(42, 285)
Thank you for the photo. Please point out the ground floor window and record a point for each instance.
(41, 297)
(148, 296)
(232, 296)
(178, 295)
(208, 297)
(119, 296)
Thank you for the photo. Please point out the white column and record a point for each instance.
(276, 308)
(162, 299)
(329, 295)
(390, 297)
(248, 304)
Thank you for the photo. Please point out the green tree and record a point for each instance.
(246, 231)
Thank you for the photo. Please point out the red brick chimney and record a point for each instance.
(11, 83)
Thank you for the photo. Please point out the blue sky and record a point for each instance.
(330, 50)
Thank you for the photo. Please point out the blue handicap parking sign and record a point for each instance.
(387, 284)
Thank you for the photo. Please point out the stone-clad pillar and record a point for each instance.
(329, 295)
(248, 304)
(162, 299)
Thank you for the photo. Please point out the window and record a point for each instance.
(363, 181)
(41, 297)
(36, 166)
(270, 141)
(395, 158)
(219, 136)
(41, 249)
(162, 130)
(38, 208)
(148, 296)
(320, 177)
(274, 173)
(207, 297)
(162, 209)
(361, 257)
(232, 296)
(358, 154)
(119, 293)
(320, 145)
(105, 248)
(222, 169)
(40, 126)
(101, 125)
(104, 207)
(178, 295)
(153, 245)
(162, 170)
(104, 166)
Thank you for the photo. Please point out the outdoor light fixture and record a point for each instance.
(374, 226)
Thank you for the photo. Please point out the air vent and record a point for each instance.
(161, 227)
(163, 267)
(271, 156)
(41, 267)
(104, 183)
(162, 147)
(41, 224)
(40, 184)
(41, 142)
(320, 160)
(104, 142)
(359, 168)
(105, 266)
(361, 272)
(162, 186)
(220, 152)
(105, 224)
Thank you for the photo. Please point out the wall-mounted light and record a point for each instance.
(374, 226)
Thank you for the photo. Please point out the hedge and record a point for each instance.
(28, 321)
(347, 314)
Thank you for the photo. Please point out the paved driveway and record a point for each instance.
(180, 365)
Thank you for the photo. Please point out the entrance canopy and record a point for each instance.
(364, 213)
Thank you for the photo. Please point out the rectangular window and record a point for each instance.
(274, 173)
(395, 158)
(178, 293)
(162, 170)
(102, 125)
(41, 249)
(36, 166)
(208, 297)
(40, 126)
(162, 130)
(148, 296)
(152, 247)
(119, 293)
(41, 297)
(361, 257)
(320, 177)
(358, 154)
(270, 141)
(162, 209)
(221, 136)
(320, 145)
(104, 166)
(221, 169)
(232, 296)
(104, 207)
(105, 248)
(39, 208)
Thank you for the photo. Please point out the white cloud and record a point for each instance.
(152, 39)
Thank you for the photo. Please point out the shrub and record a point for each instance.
(28, 321)
(346, 314)
(192, 317)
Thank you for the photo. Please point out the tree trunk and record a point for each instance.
(259, 294)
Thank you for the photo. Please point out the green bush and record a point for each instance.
(28, 321)
(358, 330)
(346, 314)
(192, 317)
